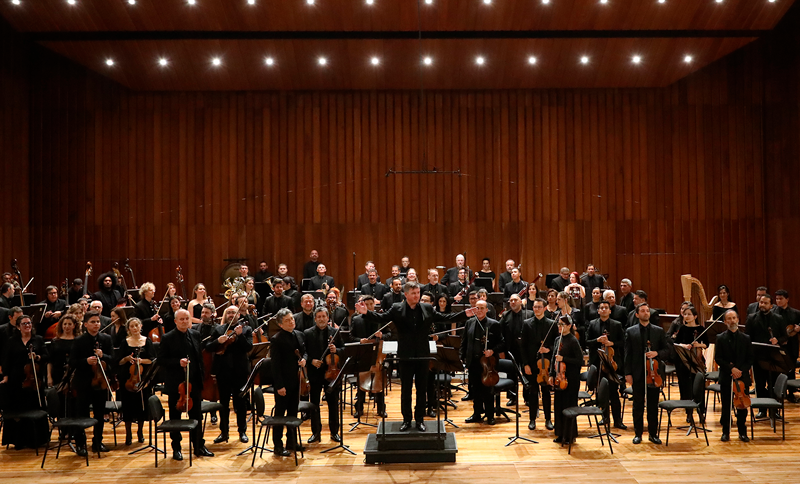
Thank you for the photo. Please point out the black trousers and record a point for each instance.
(685, 383)
(318, 385)
(482, 401)
(765, 380)
(380, 400)
(285, 406)
(97, 399)
(413, 372)
(228, 387)
(194, 413)
(640, 392)
(533, 400)
(741, 415)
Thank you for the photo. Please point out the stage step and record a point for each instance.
(410, 446)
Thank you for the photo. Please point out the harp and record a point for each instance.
(694, 293)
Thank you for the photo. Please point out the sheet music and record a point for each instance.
(390, 347)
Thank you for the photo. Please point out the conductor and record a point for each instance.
(413, 321)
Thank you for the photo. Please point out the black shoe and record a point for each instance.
(474, 419)
(761, 414)
(744, 438)
(558, 440)
(336, 438)
(654, 440)
(99, 447)
(358, 413)
(548, 425)
(282, 452)
(243, 438)
(203, 452)
(382, 413)
(725, 438)
(620, 426)
(511, 403)
(313, 438)
(177, 455)
(431, 413)
(213, 420)
(637, 439)
(81, 451)
(405, 426)
(491, 421)
(222, 438)
(141, 436)
(421, 426)
(466, 398)
(128, 439)
(532, 425)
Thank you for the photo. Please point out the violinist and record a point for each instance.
(319, 342)
(734, 355)
(247, 315)
(117, 328)
(483, 337)
(360, 330)
(231, 367)
(23, 387)
(207, 322)
(179, 349)
(250, 289)
(765, 327)
(637, 351)
(199, 298)
(338, 312)
(566, 352)
(413, 321)
(285, 365)
(147, 308)
(538, 335)
(134, 352)
(53, 310)
(91, 356)
(304, 319)
(606, 333)
(687, 337)
(512, 323)
(60, 348)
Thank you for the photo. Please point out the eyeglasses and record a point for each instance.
(26, 323)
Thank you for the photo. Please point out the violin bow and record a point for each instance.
(709, 326)
(381, 329)
(35, 376)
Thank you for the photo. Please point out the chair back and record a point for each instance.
(258, 401)
(155, 408)
(780, 387)
(699, 388)
(602, 394)
(591, 378)
(52, 402)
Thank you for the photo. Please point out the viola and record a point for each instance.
(559, 380)
(302, 375)
(543, 363)
(653, 376)
(185, 391)
(489, 375)
(156, 334)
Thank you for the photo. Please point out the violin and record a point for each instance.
(741, 396)
(302, 375)
(100, 380)
(653, 376)
(230, 331)
(543, 363)
(527, 286)
(331, 359)
(135, 378)
(560, 379)
(489, 375)
(610, 352)
(185, 391)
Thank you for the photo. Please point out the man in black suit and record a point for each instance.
(304, 319)
(791, 318)
(752, 308)
(6, 295)
(471, 352)
(54, 308)
(768, 328)
(310, 267)
(460, 287)
(452, 273)
(538, 336)
(505, 277)
(605, 332)
(319, 341)
(322, 281)
(181, 349)
(413, 321)
(560, 283)
(394, 296)
(626, 296)
(515, 286)
(618, 313)
(395, 273)
(636, 350)
(734, 355)
(511, 324)
(364, 278)
(639, 297)
(278, 300)
(433, 286)
(107, 294)
(373, 286)
(89, 350)
(361, 330)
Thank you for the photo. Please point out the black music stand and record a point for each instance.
(35, 311)
(606, 368)
(248, 387)
(525, 385)
(260, 350)
(339, 380)
(447, 360)
(484, 283)
(134, 294)
(147, 380)
(363, 356)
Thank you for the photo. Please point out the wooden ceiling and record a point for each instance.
(348, 33)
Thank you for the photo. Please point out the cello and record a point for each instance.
(18, 281)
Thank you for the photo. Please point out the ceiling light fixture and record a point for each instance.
(604, 1)
(251, 2)
(487, 2)
(322, 61)
(310, 2)
(191, 2)
(370, 2)
(269, 61)
(531, 60)
(163, 62)
(16, 2)
(71, 2)
(584, 59)
(109, 62)
(216, 61)
(131, 2)
(480, 60)
(375, 61)
(545, 2)
(427, 61)
(429, 2)
(662, 1)
(636, 59)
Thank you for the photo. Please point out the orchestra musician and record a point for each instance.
(394, 296)
(231, 367)
(505, 277)
(458, 288)
(566, 350)
(173, 304)
(135, 348)
(590, 309)
(486, 271)
(107, 294)
(451, 275)
(551, 309)
(199, 297)
(263, 273)
(765, 327)
(54, 308)
(511, 324)
(147, 308)
(304, 319)
(284, 347)
(791, 318)
(689, 337)
(310, 267)
(373, 287)
(592, 280)
(395, 272)
(360, 330)
(625, 295)
(413, 321)
(433, 286)
(734, 355)
(179, 349)
(364, 278)
(321, 281)
(278, 300)
(605, 332)
(480, 332)
(117, 326)
(317, 340)
(337, 311)
(618, 313)
(89, 352)
(538, 335)
(483, 295)
(637, 338)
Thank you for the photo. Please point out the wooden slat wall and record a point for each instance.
(647, 184)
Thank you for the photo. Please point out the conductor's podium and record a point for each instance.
(389, 445)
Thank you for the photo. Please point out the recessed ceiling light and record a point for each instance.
(191, 2)
(480, 60)
(16, 2)
(487, 2)
(370, 2)
(427, 61)
(429, 2)
(310, 2)
(719, 1)
(269, 61)
(771, 1)
(531, 60)
(216, 61)
(636, 59)
(687, 59)
(251, 2)
(545, 2)
(131, 2)
(662, 1)
(71, 2)
(109, 62)
(603, 1)
(163, 62)
(322, 61)
(584, 59)
(375, 61)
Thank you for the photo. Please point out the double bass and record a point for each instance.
(86, 277)
(17, 281)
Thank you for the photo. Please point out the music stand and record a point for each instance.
(525, 385)
(148, 378)
(134, 294)
(248, 387)
(339, 381)
(35, 311)
(305, 285)
(484, 283)
(260, 350)
(447, 360)
(362, 357)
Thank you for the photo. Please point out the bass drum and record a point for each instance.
(230, 271)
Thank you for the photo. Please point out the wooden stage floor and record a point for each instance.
(482, 456)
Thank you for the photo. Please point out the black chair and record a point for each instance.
(33, 415)
(267, 422)
(66, 426)
(509, 383)
(114, 409)
(572, 413)
(258, 415)
(180, 425)
(207, 407)
(715, 389)
(773, 405)
(698, 387)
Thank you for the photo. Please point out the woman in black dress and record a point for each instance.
(199, 297)
(117, 328)
(575, 316)
(67, 330)
(169, 318)
(566, 351)
(22, 392)
(724, 304)
(134, 347)
(685, 337)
